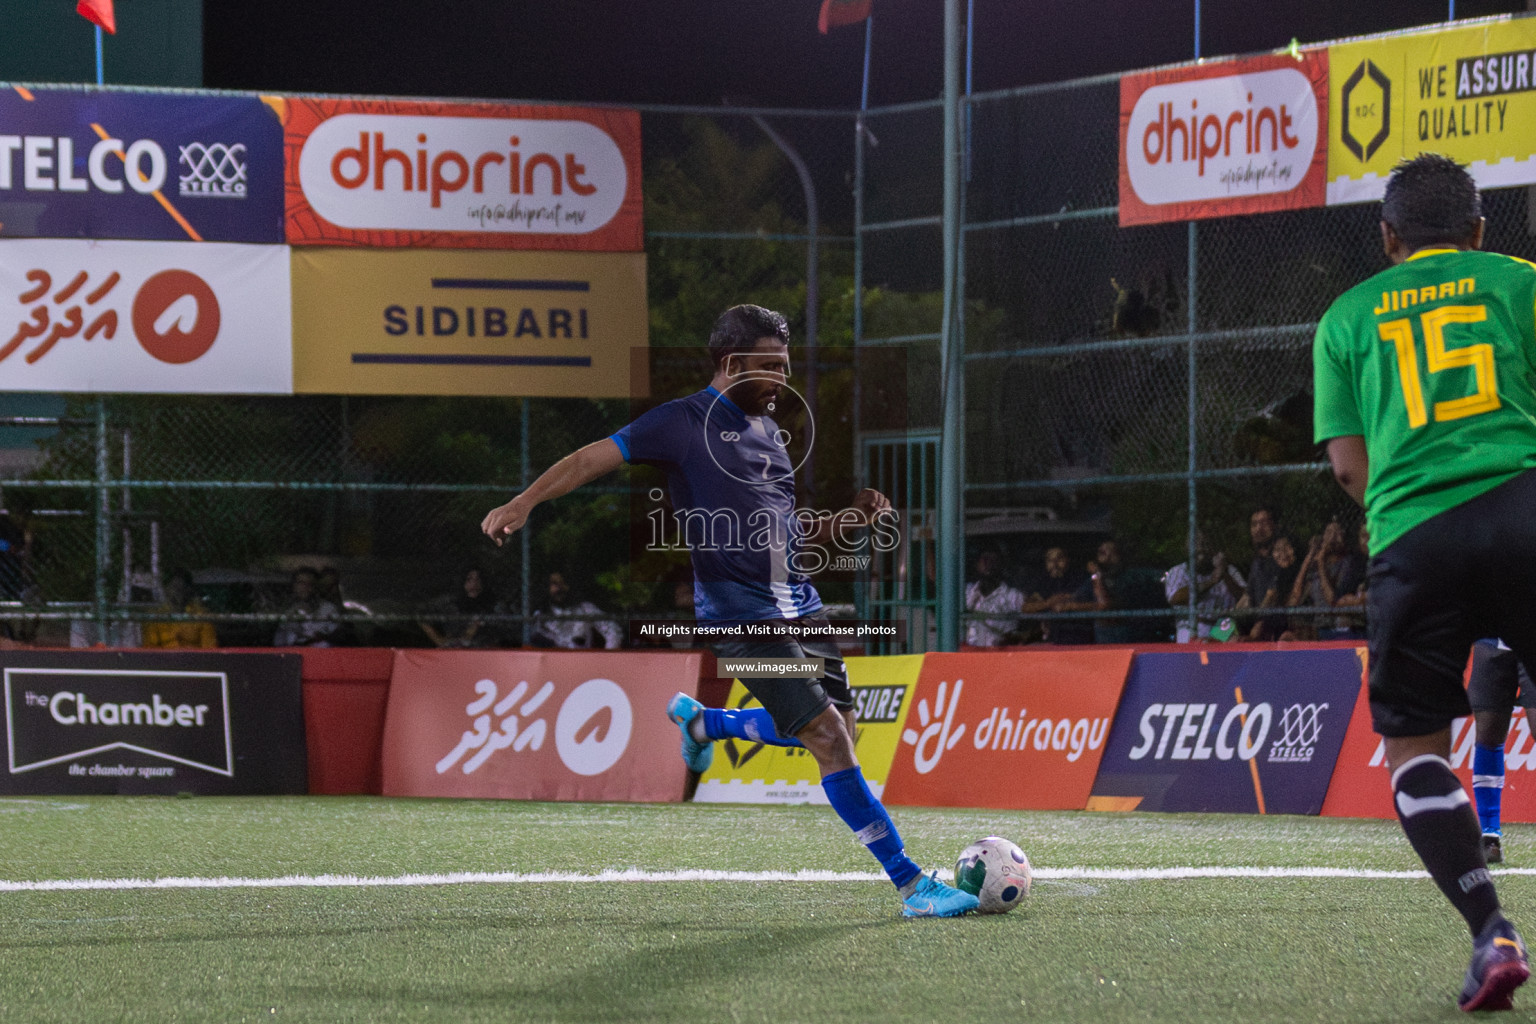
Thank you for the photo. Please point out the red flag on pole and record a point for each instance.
(834, 13)
(98, 12)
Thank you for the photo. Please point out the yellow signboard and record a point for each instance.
(754, 773)
(1469, 93)
(469, 322)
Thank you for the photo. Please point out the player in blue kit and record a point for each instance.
(732, 487)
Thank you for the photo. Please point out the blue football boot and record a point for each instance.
(932, 898)
(683, 709)
(1498, 967)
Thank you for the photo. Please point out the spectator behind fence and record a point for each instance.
(1059, 589)
(1275, 625)
(180, 599)
(1116, 586)
(1262, 568)
(1218, 585)
(475, 597)
(311, 621)
(1352, 626)
(1329, 571)
(556, 624)
(991, 595)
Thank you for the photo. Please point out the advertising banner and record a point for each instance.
(1212, 731)
(755, 773)
(1362, 783)
(435, 322)
(1019, 730)
(516, 725)
(1231, 137)
(156, 317)
(95, 164)
(112, 722)
(1469, 93)
(462, 175)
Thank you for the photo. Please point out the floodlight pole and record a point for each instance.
(812, 287)
(951, 538)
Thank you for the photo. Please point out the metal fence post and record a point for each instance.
(1193, 323)
(951, 526)
(103, 522)
(525, 477)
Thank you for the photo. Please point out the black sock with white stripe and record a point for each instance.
(1442, 828)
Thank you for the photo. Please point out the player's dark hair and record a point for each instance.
(738, 329)
(1431, 200)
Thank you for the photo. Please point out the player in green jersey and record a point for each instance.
(1426, 395)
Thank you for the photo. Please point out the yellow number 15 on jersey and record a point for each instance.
(1438, 357)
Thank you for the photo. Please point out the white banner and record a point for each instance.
(149, 317)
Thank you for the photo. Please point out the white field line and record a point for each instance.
(699, 875)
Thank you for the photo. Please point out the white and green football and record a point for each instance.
(995, 871)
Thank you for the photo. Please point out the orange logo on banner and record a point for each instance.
(1362, 784)
(516, 725)
(1021, 730)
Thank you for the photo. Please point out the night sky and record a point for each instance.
(764, 51)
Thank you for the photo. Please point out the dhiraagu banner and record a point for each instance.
(755, 773)
(1469, 93)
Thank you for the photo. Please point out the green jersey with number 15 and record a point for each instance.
(1434, 362)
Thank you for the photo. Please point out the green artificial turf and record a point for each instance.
(1284, 950)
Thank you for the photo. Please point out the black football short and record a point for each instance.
(1499, 681)
(1467, 573)
(793, 703)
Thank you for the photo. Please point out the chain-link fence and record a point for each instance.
(1119, 383)
(1122, 383)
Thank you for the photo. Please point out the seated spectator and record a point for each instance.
(1121, 587)
(1218, 585)
(1053, 591)
(556, 625)
(180, 599)
(310, 622)
(991, 595)
(1262, 568)
(475, 597)
(1351, 591)
(1328, 571)
(1276, 625)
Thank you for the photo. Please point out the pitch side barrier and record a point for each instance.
(1247, 728)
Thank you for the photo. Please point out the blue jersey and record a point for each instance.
(733, 493)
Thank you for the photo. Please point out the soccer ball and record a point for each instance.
(996, 872)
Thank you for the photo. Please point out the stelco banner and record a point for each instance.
(1019, 730)
(407, 173)
(1240, 136)
(755, 773)
(108, 722)
(435, 322)
(1229, 732)
(88, 164)
(1469, 93)
(162, 317)
(535, 726)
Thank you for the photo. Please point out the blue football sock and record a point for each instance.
(752, 724)
(1488, 785)
(850, 797)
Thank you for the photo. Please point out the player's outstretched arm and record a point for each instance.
(580, 467)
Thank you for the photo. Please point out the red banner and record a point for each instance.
(1362, 784)
(1022, 730)
(1233, 137)
(521, 725)
(461, 175)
